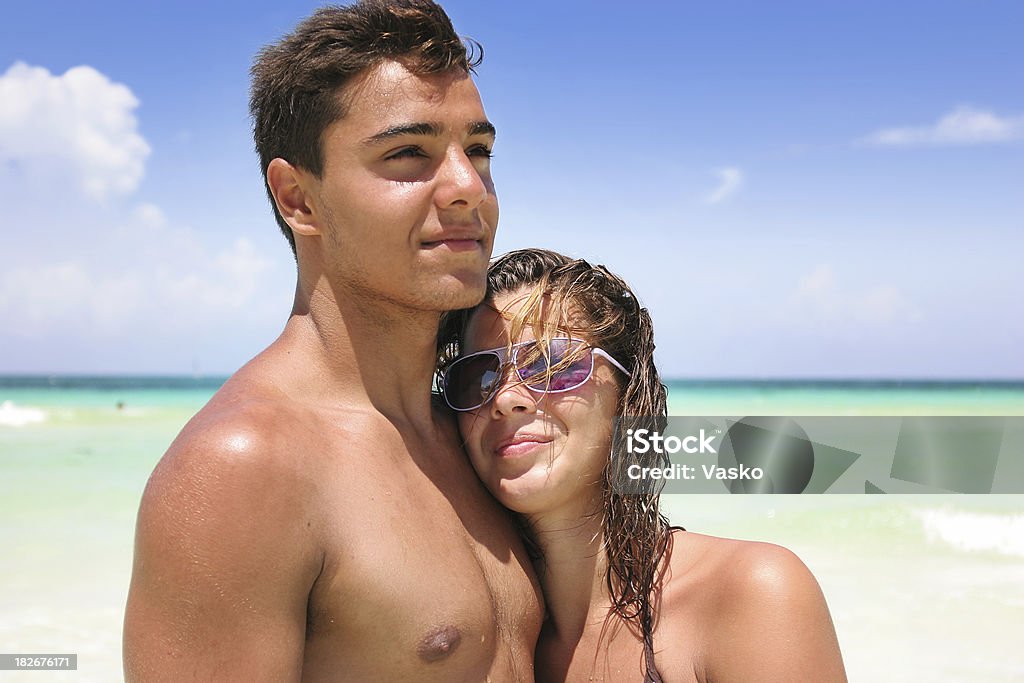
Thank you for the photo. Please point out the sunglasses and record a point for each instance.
(472, 380)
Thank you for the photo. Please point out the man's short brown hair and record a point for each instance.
(296, 81)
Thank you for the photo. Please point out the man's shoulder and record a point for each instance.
(251, 425)
(247, 435)
(228, 533)
(227, 465)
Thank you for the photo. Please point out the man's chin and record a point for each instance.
(465, 293)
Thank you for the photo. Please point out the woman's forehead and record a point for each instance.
(501, 316)
(490, 326)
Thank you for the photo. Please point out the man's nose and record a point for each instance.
(460, 183)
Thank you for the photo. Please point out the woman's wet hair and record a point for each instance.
(565, 296)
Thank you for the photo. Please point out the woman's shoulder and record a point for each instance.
(721, 579)
(750, 608)
(727, 565)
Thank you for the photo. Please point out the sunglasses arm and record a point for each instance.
(607, 356)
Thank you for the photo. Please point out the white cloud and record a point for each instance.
(884, 304)
(820, 280)
(35, 298)
(98, 302)
(150, 216)
(820, 298)
(225, 283)
(730, 180)
(79, 126)
(817, 290)
(92, 269)
(964, 125)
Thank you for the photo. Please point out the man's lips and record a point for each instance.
(456, 239)
(453, 243)
(519, 444)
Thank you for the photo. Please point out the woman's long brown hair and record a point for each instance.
(572, 296)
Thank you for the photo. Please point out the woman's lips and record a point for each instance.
(520, 445)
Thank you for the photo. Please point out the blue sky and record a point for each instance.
(797, 189)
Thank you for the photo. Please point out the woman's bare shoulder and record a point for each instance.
(712, 563)
(755, 607)
(710, 578)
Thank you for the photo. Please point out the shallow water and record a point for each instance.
(920, 587)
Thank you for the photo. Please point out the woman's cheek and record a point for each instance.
(470, 429)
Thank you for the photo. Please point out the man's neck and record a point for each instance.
(363, 351)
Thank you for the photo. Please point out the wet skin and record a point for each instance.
(318, 519)
(726, 610)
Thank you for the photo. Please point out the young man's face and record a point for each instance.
(407, 204)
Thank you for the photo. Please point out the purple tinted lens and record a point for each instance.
(469, 382)
(559, 371)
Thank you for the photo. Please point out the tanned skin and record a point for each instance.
(318, 519)
(729, 611)
(725, 611)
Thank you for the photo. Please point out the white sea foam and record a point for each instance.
(974, 531)
(18, 416)
(133, 412)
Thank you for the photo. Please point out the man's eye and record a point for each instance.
(479, 151)
(406, 153)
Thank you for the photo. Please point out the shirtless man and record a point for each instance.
(318, 520)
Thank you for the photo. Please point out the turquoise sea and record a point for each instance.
(921, 587)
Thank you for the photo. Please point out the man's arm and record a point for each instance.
(774, 625)
(225, 557)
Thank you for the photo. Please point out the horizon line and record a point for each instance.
(721, 379)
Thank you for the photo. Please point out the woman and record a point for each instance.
(538, 373)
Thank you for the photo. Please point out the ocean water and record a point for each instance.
(920, 587)
(885, 397)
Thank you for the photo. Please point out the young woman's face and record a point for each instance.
(538, 452)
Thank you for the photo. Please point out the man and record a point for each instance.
(317, 520)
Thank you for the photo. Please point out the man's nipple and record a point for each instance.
(439, 643)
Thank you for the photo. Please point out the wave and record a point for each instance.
(974, 531)
(18, 416)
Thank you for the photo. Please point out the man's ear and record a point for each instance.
(291, 188)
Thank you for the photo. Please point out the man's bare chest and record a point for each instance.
(422, 569)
